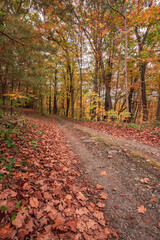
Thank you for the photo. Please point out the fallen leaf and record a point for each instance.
(107, 231)
(72, 225)
(59, 224)
(29, 225)
(80, 196)
(81, 226)
(154, 200)
(20, 218)
(103, 195)
(92, 204)
(98, 215)
(100, 205)
(7, 193)
(91, 224)
(104, 172)
(141, 209)
(34, 202)
(69, 212)
(6, 231)
(43, 221)
(99, 187)
(144, 180)
(82, 211)
(53, 214)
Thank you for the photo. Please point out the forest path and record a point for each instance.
(124, 169)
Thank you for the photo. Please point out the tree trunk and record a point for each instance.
(158, 107)
(117, 83)
(108, 102)
(72, 94)
(68, 103)
(12, 91)
(50, 99)
(143, 90)
(81, 79)
(55, 93)
(41, 103)
(126, 55)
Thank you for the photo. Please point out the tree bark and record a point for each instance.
(81, 78)
(143, 91)
(50, 99)
(158, 107)
(55, 93)
(126, 55)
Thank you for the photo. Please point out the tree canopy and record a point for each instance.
(81, 58)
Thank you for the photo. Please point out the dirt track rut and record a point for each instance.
(130, 182)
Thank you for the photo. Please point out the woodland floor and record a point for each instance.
(76, 181)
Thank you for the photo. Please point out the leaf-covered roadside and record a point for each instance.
(146, 134)
(43, 193)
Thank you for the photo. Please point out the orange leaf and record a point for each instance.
(103, 195)
(103, 173)
(5, 231)
(99, 187)
(141, 209)
(144, 180)
(154, 200)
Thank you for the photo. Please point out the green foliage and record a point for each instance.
(34, 144)
(132, 125)
(10, 143)
(18, 204)
(124, 115)
(9, 166)
(13, 217)
(2, 159)
(112, 115)
(3, 208)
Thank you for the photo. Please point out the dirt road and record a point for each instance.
(129, 173)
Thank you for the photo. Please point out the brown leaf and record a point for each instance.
(107, 231)
(34, 202)
(103, 195)
(98, 215)
(80, 196)
(99, 187)
(144, 180)
(20, 218)
(141, 209)
(81, 226)
(6, 231)
(29, 225)
(7, 193)
(43, 221)
(91, 224)
(103, 173)
(53, 214)
(100, 205)
(69, 212)
(82, 211)
(27, 187)
(72, 225)
(92, 204)
(59, 224)
(154, 200)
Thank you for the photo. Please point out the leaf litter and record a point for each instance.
(49, 190)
